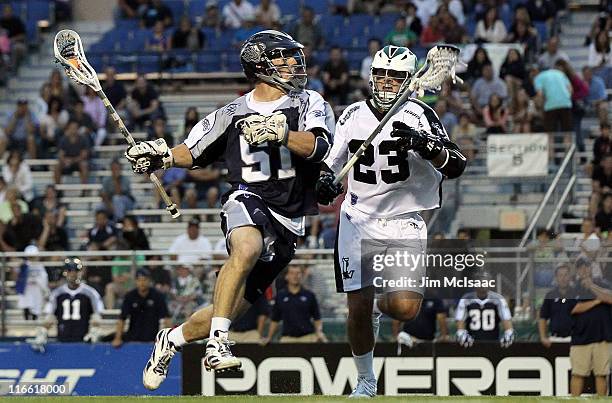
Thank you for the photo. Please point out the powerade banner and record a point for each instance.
(441, 369)
(84, 369)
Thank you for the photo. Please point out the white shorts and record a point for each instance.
(375, 243)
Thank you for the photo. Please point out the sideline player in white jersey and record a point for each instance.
(398, 175)
(273, 140)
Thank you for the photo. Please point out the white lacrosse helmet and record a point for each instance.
(391, 62)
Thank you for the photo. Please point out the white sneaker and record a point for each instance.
(219, 357)
(157, 367)
(365, 389)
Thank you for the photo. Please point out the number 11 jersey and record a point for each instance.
(386, 182)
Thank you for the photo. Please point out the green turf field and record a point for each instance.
(279, 399)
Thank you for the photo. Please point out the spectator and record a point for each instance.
(173, 179)
(103, 235)
(41, 104)
(401, 35)
(16, 172)
(85, 123)
(52, 124)
(589, 242)
(116, 193)
(542, 11)
(554, 93)
(158, 41)
(11, 196)
(298, 309)
(236, 12)
(49, 202)
(313, 70)
(115, 91)
(555, 313)
(603, 218)
(307, 31)
(513, 72)
(591, 331)
(490, 28)
(162, 280)
(596, 101)
(22, 230)
(249, 328)
(471, 316)
(20, 130)
(186, 36)
(412, 20)
(122, 280)
(73, 154)
(486, 86)
(601, 182)
(603, 144)
(336, 77)
(145, 105)
(527, 36)
(522, 112)
(475, 65)
(192, 117)
(186, 294)
(545, 248)
(94, 107)
(366, 64)
(32, 285)
(190, 200)
(599, 51)
(133, 235)
(75, 305)
(154, 12)
(453, 32)
(432, 32)
(448, 119)
(16, 31)
(129, 8)
(464, 129)
(580, 90)
(159, 130)
(426, 9)
(495, 115)
(59, 88)
(423, 326)
(212, 17)
(53, 236)
(145, 307)
(191, 247)
(267, 14)
(548, 59)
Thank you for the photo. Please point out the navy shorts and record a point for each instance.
(247, 209)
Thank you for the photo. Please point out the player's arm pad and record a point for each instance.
(322, 144)
(455, 162)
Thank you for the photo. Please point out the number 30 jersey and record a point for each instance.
(284, 180)
(386, 182)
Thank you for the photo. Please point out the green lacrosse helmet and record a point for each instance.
(391, 62)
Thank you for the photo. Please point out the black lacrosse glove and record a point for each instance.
(326, 190)
(426, 144)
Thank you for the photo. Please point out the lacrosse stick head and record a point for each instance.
(439, 65)
(69, 53)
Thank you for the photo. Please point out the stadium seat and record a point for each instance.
(542, 30)
(289, 7)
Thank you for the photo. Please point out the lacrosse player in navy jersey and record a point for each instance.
(273, 140)
(398, 176)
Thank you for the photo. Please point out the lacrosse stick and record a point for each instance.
(69, 53)
(439, 65)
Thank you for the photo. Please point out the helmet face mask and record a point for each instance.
(73, 270)
(392, 68)
(275, 58)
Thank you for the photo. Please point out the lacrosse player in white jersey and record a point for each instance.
(399, 175)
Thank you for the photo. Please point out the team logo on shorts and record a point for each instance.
(346, 273)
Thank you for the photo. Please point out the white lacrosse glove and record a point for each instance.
(464, 339)
(507, 339)
(149, 156)
(39, 342)
(405, 339)
(258, 129)
(94, 335)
